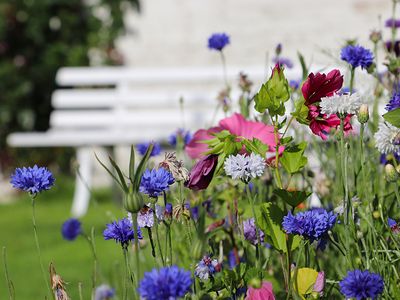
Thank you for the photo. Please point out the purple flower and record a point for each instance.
(393, 226)
(156, 181)
(295, 84)
(390, 23)
(218, 41)
(312, 224)
(104, 292)
(32, 180)
(393, 47)
(394, 102)
(142, 148)
(206, 268)
(71, 229)
(183, 135)
(357, 56)
(121, 231)
(250, 233)
(283, 61)
(145, 217)
(384, 158)
(202, 173)
(165, 284)
(361, 285)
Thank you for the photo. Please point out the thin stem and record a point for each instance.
(362, 161)
(158, 238)
(10, 284)
(276, 134)
(346, 203)
(137, 248)
(396, 191)
(394, 3)
(125, 293)
(38, 246)
(351, 86)
(80, 290)
(92, 245)
(223, 60)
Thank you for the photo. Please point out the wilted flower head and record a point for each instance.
(387, 139)
(175, 166)
(344, 104)
(390, 23)
(57, 285)
(361, 285)
(32, 179)
(165, 284)
(121, 231)
(357, 56)
(394, 102)
(163, 212)
(312, 224)
(244, 83)
(156, 181)
(202, 173)
(104, 292)
(71, 229)
(142, 148)
(393, 226)
(207, 267)
(184, 135)
(244, 167)
(217, 41)
(250, 231)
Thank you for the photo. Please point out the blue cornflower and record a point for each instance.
(184, 135)
(250, 231)
(218, 41)
(361, 285)
(142, 148)
(390, 23)
(394, 102)
(283, 61)
(33, 180)
(312, 224)
(165, 284)
(294, 84)
(104, 292)
(121, 231)
(207, 267)
(155, 181)
(71, 229)
(357, 56)
(391, 222)
(385, 158)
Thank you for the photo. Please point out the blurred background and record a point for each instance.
(37, 37)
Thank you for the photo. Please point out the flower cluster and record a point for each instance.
(142, 148)
(394, 102)
(250, 232)
(165, 283)
(121, 231)
(32, 179)
(156, 181)
(218, 41)
(244, 167)
(361, 285)
(357, 56)
(341, 105)
(312, 224)
(71, 229)
(207, 267)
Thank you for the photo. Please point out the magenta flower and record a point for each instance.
(265, 292)
(202, 173)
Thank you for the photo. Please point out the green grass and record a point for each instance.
(73, 260)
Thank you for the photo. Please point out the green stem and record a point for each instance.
(362, 162)
(396, 191)
(125, 293)
(38, 246)
(346, 204)
(351, 86)
(223, 60)
(92, 245)
(80, 290)
(158, 239)
(137, 248)
(10, 284)
(276, 134)
(394, 3)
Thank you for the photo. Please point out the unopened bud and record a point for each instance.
(391, 173)
(358, 261)
(363, 114)
(278, 49)
(255, 283)
(376, 214)
(133, 202)
(375, 36)
(359, 235)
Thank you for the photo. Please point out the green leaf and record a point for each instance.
(132, 165)
(293, 198)
(393, 117)
(109, 172)
(141, 167)
(269, 219)
(119, 173)
(301, 112)
(293, 159)
(303, 65)
(255, 146)
(273, 94)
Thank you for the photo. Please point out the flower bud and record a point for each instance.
(391, 173)
(133, 202)
(375, 36)
(359, 235)
(197, 249)
(255, 283)
(363, 114)
(376, 214)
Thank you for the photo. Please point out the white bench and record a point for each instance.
(111, 106)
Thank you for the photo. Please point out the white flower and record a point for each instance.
(387, 139)
(244, 167)
(341, 104)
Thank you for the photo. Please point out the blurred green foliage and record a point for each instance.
(39, 36)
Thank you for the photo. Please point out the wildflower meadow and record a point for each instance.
(293, 194)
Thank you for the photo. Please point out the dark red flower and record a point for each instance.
(202, 173)
(321, 85)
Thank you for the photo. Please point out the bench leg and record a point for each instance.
(83, 182)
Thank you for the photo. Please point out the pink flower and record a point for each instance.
(265, 292)
(237, 125)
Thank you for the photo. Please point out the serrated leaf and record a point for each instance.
(292, 198)
(393, 117)
(293, 159)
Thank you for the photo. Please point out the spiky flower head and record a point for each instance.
(357, 56)
(341, 105)
(156, 181)
(361, 285)
(387, 139)
(244, 167)
(32, 179)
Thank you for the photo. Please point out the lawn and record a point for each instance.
(73, 260)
